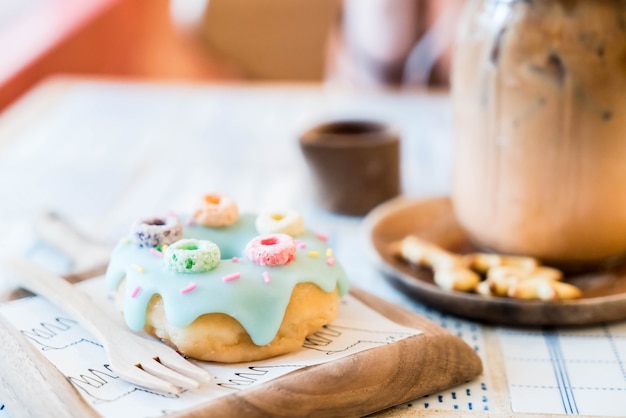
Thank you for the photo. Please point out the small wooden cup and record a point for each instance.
(356, 164)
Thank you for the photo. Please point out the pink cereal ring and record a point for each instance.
(216, 211)
(271, 250)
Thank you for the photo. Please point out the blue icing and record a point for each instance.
(231, 239)
(257, 305)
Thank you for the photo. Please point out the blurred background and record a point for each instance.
(349, 43)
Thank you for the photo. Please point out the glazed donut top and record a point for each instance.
(255, 295)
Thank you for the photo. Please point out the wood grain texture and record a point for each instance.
(126, 351)
(357, 385)
(28, 378)
(364, 383)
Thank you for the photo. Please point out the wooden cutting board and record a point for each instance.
(356, 385)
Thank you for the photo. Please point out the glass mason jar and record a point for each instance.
(539, 95)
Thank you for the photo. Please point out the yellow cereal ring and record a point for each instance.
(287, 222)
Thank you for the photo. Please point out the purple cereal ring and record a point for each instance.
(271, 250)
(156, 232)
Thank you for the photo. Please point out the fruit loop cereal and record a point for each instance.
(287, 222)
(156, 232)
(192, 255)
(217, 211)
(271, 250)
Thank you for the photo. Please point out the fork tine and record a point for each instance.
(159, 370)
(176, 362)
(142, 378)
(125, 350)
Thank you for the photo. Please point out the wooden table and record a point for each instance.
(105, 153)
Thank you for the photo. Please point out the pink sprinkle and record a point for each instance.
(322, 237)
(230, 277)
(301, 245)
(156, 252)
(189, 222)
(266, 277)
(188, 289)
(235, 259)
(330, 261)
(172, 213)
(135, 292)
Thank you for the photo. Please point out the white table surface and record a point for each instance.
(105, 153)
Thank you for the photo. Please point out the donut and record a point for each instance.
(271, 250)
(288, 222)
(217, 211)
(190, 255)
(239, 309)
(156, 232)
(221, 338)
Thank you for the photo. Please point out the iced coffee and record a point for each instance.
(539, 93)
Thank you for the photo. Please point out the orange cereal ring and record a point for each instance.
(216, 211)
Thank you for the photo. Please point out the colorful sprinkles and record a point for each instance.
(135, 292)
(137, 267)
(192, 286)
(231, 277)
(322, 237)
(159, 251)
(156, 252)
(330, 260)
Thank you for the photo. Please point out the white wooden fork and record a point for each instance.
(144, 362)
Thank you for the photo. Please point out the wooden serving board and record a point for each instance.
(356, 385)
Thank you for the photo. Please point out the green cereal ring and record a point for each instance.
(192, 256)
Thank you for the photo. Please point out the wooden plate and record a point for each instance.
(604, 292)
